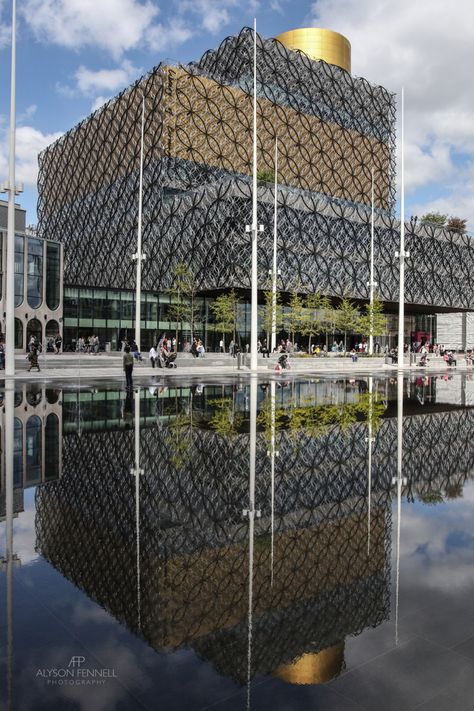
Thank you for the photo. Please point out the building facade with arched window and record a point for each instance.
(38, 282)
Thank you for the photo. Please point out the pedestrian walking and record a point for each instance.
(128, 367)
(33, 359)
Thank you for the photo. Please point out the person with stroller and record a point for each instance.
(165, 358)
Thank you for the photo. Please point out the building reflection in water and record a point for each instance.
(276, 593)
(31, 439)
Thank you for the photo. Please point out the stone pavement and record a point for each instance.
(106, 366)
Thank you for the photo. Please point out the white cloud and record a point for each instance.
(29, 143)
(98, 102)
(214, 15)
(113, 25)
(162, 37)
(413, 45)
(90, 81)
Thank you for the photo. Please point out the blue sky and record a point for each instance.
(74, 54)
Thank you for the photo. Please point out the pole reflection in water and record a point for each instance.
(10, 558)
(399, 481)
(137, 472)
(251, 516)
(370, 440)
(273, 454)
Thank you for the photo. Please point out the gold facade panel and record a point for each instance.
(211, 124)
(319, 43)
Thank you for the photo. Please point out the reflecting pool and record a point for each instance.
(238, 544)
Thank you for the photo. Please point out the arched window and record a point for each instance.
(33, 395)
(34, 274)
(19, 269)
(19, 334)
(51, 448)
(17, 452)
(52, 329)
(33, 328)
(53, 252)
(33, 450)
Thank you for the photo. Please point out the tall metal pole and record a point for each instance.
(372, 284)
(138, 256)
(10, 285)
(274, 267)
(369, 482)
(402, 254)
(254, 277)
(399, 482)
(137, 472)
(251, 516)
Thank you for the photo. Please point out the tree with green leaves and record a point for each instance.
(347, 318)
(317, 307)
(265, 175)
(224, 309)
(225, 420)
(434, 218)
(373, 321)
(295, 316)
(183, 291)
(457, 224)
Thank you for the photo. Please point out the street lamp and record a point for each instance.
(12, 190)
(371, 284)
(402, 255)
(138, 256)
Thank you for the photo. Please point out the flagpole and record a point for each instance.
(402, 254)
(274, 269)
(254, 228)
(139, 257)
(10, 187)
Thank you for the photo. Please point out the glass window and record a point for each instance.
(17, 453)
(19, 269)
(34, 274)
(71, 303)
(33, 450)
(53, 272)
(128, 306)
(86, 299)
(18, 333)
(113, 306)
(51, 448)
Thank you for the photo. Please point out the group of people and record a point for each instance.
(89, 344)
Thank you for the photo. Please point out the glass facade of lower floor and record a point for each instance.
(110, 315)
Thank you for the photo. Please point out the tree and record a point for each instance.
(317, 307)
(265, 175)
(183, 308)
(456, 224)
(373, 321)
(224, 309)
(267, 314)
(347, 318)
(295, 316)
(434, 218)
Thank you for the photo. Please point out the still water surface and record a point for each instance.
(285, 545)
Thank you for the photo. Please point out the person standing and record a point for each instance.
(221, 346)
(128, 367)
(57, 343)
(33, 359)
(153, 355)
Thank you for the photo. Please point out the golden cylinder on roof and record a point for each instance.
(316, 668)
(317, 43)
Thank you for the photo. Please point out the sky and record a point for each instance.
(72, 55)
